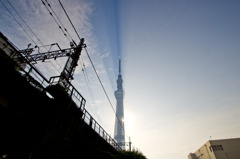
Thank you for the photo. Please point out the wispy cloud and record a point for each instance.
(47, 31)
(105, 55)
(38, 17)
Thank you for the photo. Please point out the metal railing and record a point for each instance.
(71, 90)
(98, 129)
(31, 73)
(80, 103)
(39, 81)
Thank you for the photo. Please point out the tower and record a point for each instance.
(119, 134)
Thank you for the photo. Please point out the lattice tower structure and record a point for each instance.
(119, 132)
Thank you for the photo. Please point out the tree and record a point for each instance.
(134, 154)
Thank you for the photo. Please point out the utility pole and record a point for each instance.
(72, 53)
(71, 64)
(130, 144)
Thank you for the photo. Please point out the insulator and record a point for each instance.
(71, 44)
(74, 43)
(82, 41)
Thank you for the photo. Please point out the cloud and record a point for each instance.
(44, 26)
(47, 32)
(105, 55)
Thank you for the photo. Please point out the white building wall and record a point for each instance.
(218, 149)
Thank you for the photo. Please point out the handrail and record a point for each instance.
(99, 130)
(35, 78)
(88, 119)
(71, 90)
(31, 73)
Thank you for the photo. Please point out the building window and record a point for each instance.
(11, 51)
(198, 157)
(216, 148)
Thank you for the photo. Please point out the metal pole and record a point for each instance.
(130, 144)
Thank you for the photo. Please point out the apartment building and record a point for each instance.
(218, 149)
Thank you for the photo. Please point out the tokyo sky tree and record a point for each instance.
(119, 134)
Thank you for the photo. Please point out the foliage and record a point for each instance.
(134, 154)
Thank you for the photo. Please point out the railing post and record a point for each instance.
(94, 126)
(29, 70)
(71, 92)
(91, 121)
(83, 116)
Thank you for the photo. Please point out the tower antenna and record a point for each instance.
(119, 66)
(119, 132)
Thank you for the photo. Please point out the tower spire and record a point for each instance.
(119, 66)
(119, 133)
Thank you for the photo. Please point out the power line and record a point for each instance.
(100, 80)
(18, 23)
(93, 68)
(64, 34)
(56, 21)
(25, 22)
(70, 20)
(59, 21)
(105, 91)
(87, 80)
(95, 109)
(29, 29)
(88, 56)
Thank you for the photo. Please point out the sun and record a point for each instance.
(128, 122)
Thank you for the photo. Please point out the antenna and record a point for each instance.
(119, 66)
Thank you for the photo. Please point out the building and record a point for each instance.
(218, 149)
(119, 134)
(9, 48)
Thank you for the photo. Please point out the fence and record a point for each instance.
(36, 79)
(80, 103)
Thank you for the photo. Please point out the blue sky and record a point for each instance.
(180, 62)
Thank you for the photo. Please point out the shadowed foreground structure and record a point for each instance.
(35, 126)
(32, 124)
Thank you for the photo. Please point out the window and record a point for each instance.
(216, 148)
(198, 157)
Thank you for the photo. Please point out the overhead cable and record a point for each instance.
(59, 20)
(70, 20)
(25, 22)
(93, 68)
(87, 80)
(18, 23)
(30, 30)
(105, 91)
(60, 27)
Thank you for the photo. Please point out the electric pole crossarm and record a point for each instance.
(72, 53)
(50, 55)
(72, 61)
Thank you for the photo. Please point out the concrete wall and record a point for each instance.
(218, 149)
(231, 148)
